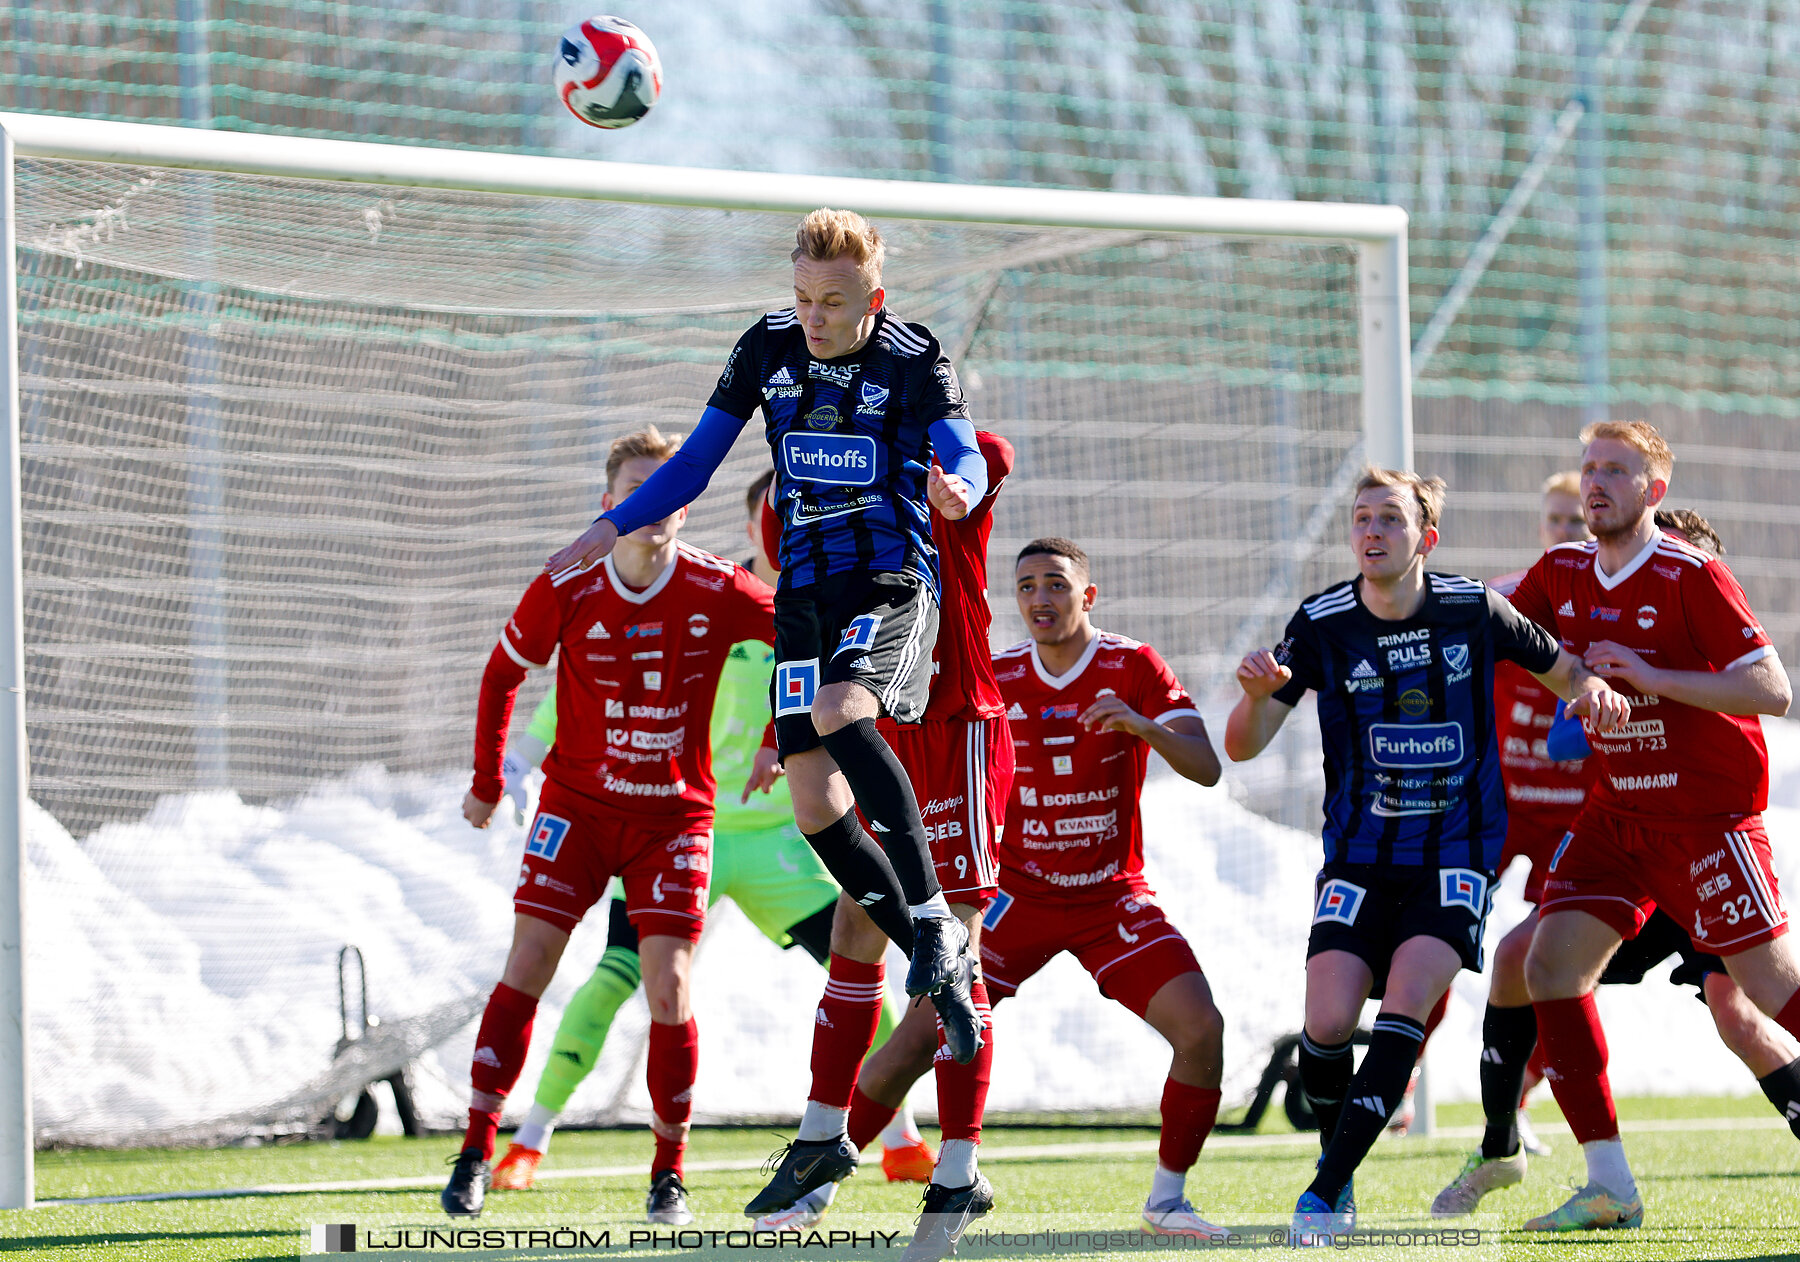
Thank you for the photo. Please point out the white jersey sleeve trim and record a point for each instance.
(517, 657)
(1754, 655)
(1166, 715)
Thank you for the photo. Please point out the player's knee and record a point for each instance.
(1201, 1032)
(1547, 976)
(666, 991)
(837, 706)
(1509, 956)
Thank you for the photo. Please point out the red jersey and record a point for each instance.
(962, 683)
(1523, 712)
(1073, 824)
(635, 679)
(1679, 609)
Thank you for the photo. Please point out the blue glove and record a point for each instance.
(1567, 741)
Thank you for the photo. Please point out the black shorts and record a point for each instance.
(1660, 938)
(1369, 910)
(876, 630)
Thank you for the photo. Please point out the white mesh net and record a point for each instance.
(293, 449)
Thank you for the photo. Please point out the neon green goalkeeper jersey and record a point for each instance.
(740, 714)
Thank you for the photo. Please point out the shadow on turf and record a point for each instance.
(19, 1244)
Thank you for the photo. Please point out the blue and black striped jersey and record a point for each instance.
(1412, 767)
(850, 438)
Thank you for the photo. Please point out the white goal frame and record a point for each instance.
(1378, 232)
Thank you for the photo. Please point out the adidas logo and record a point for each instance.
(782, 377)
(1363, 670)
(1567, 610)
(869, 900)
(1374, 1104)
(819, 1018)
(486, 1056)
(599, 632)
(1490, 1056)
(1017, 711)
(877, 826)
(1793, 1110)
(684, 1097)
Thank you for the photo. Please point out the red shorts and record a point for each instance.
(961, 772)
(576, 845)
(1717, 883)
(1122, 926)
(1535, 837)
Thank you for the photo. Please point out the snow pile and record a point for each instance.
(183, 966)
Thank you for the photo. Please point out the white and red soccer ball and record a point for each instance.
(607, 72)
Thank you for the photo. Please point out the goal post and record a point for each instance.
(1372, 350)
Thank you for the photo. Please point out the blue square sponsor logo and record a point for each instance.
(795, 683)
(859, 635)
(547, 836)
(1338, 900)
(996, 909)
(1412, 746)
(1562, 848)
(1463, 887)
(832, 459)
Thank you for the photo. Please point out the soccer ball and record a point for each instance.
(607, 72)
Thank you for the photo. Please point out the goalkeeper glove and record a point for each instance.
(1567, 740)
(515, 770)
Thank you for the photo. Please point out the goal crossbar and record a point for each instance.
(1379, 234)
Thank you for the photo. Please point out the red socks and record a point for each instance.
(1574, 1048)
(844, 1030)
(1188, 1114)
(868, 1118)
(962, 1089)
(500, 1048)
(674, 1061)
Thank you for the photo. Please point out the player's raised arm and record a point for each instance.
(959, 472)
(1519, 639)
(680, 481)
(1258, 715)
(1745, 687)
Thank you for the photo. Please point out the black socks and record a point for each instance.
(885, 795)
(1369, 1101)
(859, 866)
(1508, 1036)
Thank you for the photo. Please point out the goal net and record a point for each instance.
(292, 450)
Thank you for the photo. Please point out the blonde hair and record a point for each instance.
(1567, 482)
(825, 235)
(1642, 437)
(1428, 493)
(647, 443)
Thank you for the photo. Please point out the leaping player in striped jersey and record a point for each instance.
(869, 432)
(1415, 815)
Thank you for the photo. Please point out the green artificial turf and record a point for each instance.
(1729, 1190)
